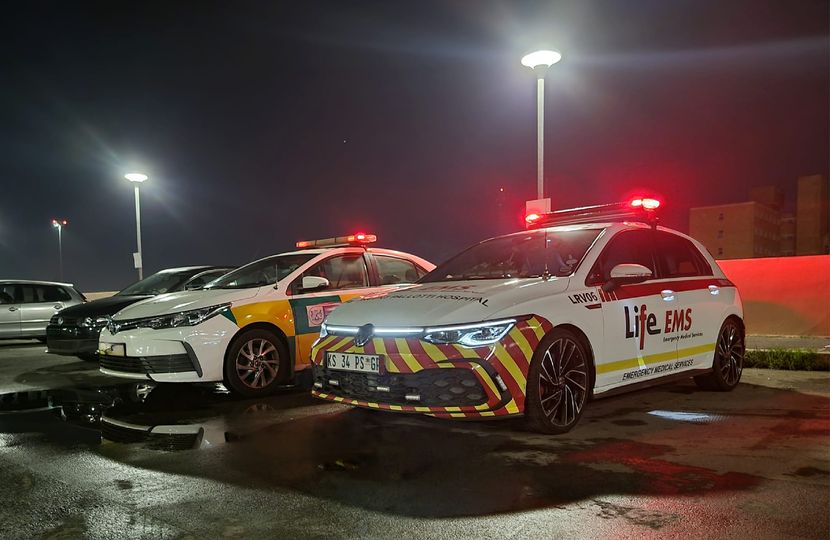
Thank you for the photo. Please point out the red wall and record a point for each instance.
(783, 296)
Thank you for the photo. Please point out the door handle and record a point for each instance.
(58, 306)
(714, 290)
(667, 294)
(12, 308)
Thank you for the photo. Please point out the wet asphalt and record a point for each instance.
(83, 455)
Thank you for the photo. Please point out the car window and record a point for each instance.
(7, 294)
(203, 279)
(523, 255)
(343, 272)
(627, 247)
(35, 294)
(159, 283)
(677, 257)
(393, 270)
(263, 272)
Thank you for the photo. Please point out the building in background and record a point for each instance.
(787, 235)
(763, 228)
(812, 229)
(737, 231)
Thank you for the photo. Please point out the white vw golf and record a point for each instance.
(588, 302)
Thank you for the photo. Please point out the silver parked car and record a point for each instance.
(26, 306)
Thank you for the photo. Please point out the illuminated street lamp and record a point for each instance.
(137, 178)
(59, 224)
(539, 62)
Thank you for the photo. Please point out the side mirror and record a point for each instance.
(626, 274)
(314, 282)
(193, 286)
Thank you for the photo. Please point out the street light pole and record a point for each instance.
(137, 179)
(138, 233)
(59, 224)
(539, 62)
(540, 133)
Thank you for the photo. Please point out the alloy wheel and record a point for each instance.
(563, 382)
(257, 363)
(730, 350)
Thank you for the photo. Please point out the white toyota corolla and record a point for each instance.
(589, 302)
(252, 328)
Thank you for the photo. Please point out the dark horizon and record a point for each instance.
(261, 124)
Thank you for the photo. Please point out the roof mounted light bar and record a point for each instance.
(640, 209)
(357, 239)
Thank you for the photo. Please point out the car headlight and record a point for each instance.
(89, 322)
(470, 335)
(182, 318)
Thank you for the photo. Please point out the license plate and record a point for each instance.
(112, 349)
(362, 363)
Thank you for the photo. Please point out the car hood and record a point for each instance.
(453, 302)
(164, 304)
(101, 307)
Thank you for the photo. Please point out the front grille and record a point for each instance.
(440, 387)
(172, 363)
(156, 441)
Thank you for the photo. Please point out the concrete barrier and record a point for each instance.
(783, 296)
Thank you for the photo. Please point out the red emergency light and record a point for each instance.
(646, 203)
(641, 209)
(357, 239)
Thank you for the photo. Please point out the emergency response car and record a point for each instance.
(252, 328)
(586, 302)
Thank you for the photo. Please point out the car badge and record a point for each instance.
(112, 326)
(364, 334)
(60, 321)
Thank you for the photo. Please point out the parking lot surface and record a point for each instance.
(82, 454)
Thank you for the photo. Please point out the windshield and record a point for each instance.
(260, 273)
(518, 256)
(160, 283)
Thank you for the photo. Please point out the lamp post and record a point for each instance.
(59, 224)
(539, 62)
(137, 178)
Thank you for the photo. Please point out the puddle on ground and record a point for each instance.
(152, 415)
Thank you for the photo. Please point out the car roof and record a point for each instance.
(187, 268)
(35, 282)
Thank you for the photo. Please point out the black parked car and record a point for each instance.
(74, 331)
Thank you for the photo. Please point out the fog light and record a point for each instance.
(382, 388)
(334, 382)
(318, 385)
(412, 397)
(501, 384)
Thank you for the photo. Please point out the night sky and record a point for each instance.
(262, 123)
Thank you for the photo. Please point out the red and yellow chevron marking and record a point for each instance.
(510, 357)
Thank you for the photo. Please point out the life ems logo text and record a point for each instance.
(640, 323)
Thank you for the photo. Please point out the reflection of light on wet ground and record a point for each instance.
(683, 416)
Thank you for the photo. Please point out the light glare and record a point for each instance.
(136, 177)
(541, 58)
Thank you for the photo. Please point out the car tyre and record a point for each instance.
(256, 363)
(728, 362)
(559, 383)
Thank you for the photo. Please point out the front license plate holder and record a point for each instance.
(112, 349)
(354, 362)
